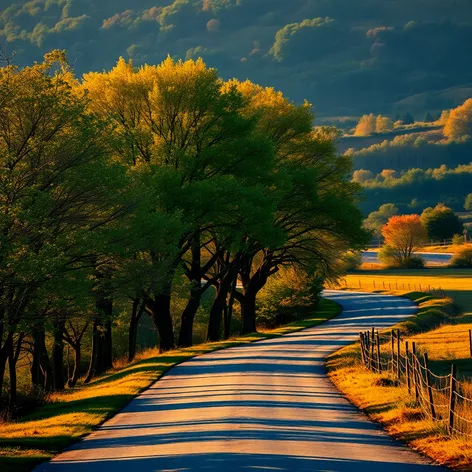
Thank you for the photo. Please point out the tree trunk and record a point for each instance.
(229, 311)
(248, 311)
(41, 371)
(58, 355)
(133, 328)
(101, 359)
(161, 315)
(216, 311)
(12, 370)
(188, 317)
(4, 352)
(77, 359)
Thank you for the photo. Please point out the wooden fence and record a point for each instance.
(442, 398)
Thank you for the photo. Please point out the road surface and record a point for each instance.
(430, 258)
(267, 406)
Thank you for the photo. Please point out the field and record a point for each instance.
(74, 413)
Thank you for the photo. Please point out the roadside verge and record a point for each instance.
(388, 402)
(73, 414)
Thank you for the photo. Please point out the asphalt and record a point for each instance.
(267, 406)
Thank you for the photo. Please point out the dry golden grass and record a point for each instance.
(72, 414)
(437, 330)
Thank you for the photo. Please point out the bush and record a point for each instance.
(457, 240)
(389, 256)
(463, 257)
(288, 296)
(350, 261)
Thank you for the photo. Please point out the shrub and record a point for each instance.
(457, 240)
(391, 258)
(463, 257)
(288, 296)
(350, 261)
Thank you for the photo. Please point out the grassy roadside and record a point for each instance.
(384, 402)
(75, 413)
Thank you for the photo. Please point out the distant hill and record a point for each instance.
(431, 133)
(346, 57)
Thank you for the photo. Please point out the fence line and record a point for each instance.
(442, 398)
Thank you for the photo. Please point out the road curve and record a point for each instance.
(265, 406)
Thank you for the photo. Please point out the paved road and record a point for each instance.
(263, 407)
(430, 258)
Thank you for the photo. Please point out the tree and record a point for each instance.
(59, 192)
(441, 222)
(428, 117)
(408, 119)
(378, 219)
(367, 126)
(184, 136)
(459, 122)
(468, 202)
(315, 211)
(383, 124)
(403, 235)
(362, 176)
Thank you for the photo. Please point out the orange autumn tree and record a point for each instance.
(403, 236)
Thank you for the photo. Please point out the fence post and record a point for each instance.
(415, 368)
(452, 398)
(399, 347)
(470, 341)
(392, 334)
(361, 335)
(372, 350)
(428, 385)
(408, 374)
(379, 363)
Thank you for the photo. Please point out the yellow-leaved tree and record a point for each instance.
(459, 122)
(367, 125)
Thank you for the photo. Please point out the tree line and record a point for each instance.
(117, 187)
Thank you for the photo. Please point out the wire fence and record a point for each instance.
(442, 398)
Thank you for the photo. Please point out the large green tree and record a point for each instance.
(441, 223)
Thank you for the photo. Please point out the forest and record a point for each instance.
(414, 166)
(156, 203)
(347, 58)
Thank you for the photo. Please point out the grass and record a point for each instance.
(74, 413)
(440, 331)
(455, 283)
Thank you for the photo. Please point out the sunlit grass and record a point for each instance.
(437, 329)
(72, 414)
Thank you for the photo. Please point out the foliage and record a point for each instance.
(459, 122)
(135, 200)
(468, 202)
(381, 56)
(458, 240)
(463, 257)
(403, 236)
(366, 126)
(288, 296)
(378, 219)
(441, 223)
(425, 187)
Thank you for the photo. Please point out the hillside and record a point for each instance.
(344, 57)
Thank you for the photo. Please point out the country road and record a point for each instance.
(430, 258)
(267, 406)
